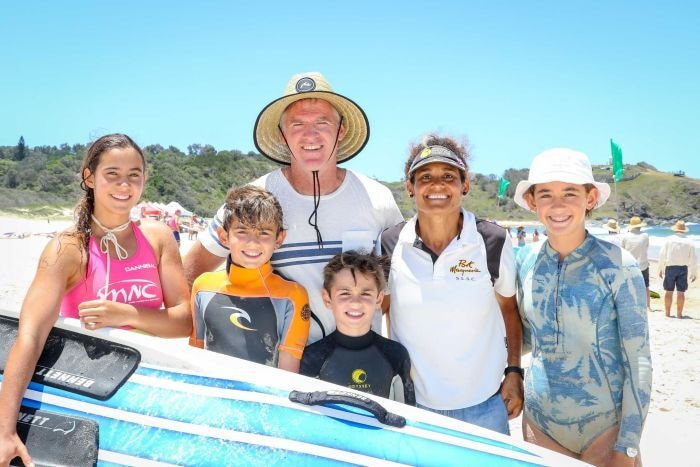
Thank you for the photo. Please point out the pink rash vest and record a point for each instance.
(133, 280)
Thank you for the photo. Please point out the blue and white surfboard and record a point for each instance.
(187, 406)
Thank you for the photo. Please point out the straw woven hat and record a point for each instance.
(679, 227)
(637, 223)
(612, 226)
(310, 85)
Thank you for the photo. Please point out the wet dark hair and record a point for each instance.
(252, 206)
(368, 264)
(460, 149)
(93, 156)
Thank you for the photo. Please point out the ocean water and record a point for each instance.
(657, 235)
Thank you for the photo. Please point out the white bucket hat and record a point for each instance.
(560, 165)
(310, 85)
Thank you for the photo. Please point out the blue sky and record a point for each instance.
(515, 77)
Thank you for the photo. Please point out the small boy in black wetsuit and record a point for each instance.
(354, 356)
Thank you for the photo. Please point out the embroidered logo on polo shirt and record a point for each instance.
(463, 267)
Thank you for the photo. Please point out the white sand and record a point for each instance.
(674, 417)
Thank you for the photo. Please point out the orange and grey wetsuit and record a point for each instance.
(250, 313)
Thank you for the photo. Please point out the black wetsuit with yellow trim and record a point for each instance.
(249, 313)
(368, 363)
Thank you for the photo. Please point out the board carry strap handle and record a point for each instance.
(352, 399)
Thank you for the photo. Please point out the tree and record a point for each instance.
(11, 178)
(21, 150)
(153, 149)
(194, 149)
(175, 150)
(208, 150)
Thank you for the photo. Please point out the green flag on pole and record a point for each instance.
(617, 167)
(502, 189)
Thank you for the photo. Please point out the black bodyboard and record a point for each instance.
(57, 439)
(76, 362)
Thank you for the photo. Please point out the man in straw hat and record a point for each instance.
(637, 242)
(327, 210)
(677, 263)
(613, 232)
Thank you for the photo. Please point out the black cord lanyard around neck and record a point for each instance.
(313, 218)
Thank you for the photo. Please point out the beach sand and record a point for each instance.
(674, 415)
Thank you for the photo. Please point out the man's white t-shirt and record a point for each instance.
(350, 218)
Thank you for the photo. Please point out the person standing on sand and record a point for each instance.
(521, 236)
(174, 223)
(588, 387)
(677, 263)
(637, 242)
(613, 229)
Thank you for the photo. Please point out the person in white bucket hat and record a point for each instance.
(562, 165)
(327, 209)
(588, 387)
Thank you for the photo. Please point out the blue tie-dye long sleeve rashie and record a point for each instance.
(591, 362)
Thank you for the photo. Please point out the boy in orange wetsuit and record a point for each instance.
(248, 311)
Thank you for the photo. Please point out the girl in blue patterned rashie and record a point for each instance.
(584, 301)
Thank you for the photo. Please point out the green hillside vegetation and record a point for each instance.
(44, 181)
(47, 178)
(643, 191)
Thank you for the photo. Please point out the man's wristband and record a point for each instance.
(514, 369)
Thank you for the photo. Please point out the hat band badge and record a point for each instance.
(305, 85)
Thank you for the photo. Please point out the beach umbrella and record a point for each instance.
(173, 206)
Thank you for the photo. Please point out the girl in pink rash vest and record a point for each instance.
(104, 270)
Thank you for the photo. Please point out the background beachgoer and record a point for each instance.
(521, 235)
(677, 263)
(637, 242)
(613, 232)
(175, 225)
